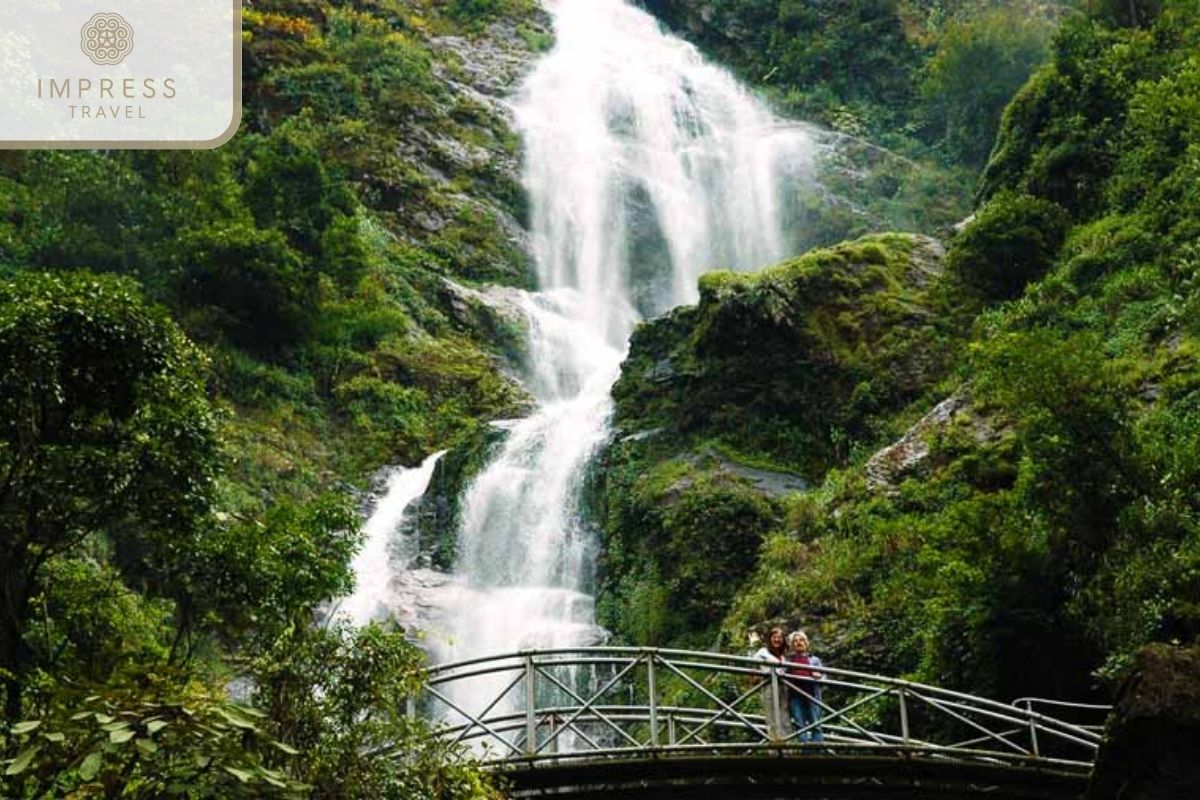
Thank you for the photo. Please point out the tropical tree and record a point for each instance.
(104, 426)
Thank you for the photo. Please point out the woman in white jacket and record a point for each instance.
(774, 693)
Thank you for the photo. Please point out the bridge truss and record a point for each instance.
(573, 721)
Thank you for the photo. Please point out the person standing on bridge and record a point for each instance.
(804, 690)
(774, 693)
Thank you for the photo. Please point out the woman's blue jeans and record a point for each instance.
(805, 712)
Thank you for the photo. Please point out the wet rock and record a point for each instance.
(1151, 748)
(663, 370)
(889, 467)
(771, 483)
(461, 196)
(438, 513)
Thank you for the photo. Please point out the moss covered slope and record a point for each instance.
(725, 408)
(319, 256)
(1025, 519)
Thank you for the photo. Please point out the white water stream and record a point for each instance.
(644, 166)
(384, 554)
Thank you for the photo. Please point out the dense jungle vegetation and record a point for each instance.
(204, 356)
(1001, 442)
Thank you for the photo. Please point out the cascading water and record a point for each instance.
(383, 554)
(644, 166)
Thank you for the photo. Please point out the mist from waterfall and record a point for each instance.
(644, 166)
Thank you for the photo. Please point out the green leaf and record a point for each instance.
(274, 781)
(23, 760)
(241, 774)
(121, 736)
(156, 725)
(119, 725)
(103, 719)
(287, 748)
(27, 726)
(236, 721)
(54, 736)
(90, 766)
(146, 746)
(250, 711)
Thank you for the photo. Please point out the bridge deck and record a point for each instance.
(782, 775)
(605, 722)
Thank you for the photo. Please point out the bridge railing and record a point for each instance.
(610, 701)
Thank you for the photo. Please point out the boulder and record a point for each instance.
(1151, 748)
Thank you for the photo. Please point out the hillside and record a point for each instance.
(1025, 485)
(956, 439)
(308, 286)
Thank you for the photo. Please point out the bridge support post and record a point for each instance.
(653, 691)
(530, 707)
(900, 693)
(1033, 742)
(774, 723)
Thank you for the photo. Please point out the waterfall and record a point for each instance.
(644, 166)
(386, 551)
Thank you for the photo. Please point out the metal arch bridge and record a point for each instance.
(606, 722)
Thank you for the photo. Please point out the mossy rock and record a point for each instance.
(791, 363)
(1151, 746)
(439, 511)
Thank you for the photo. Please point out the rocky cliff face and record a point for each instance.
(727, 409)
(472, 156)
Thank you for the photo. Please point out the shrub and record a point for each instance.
(1012, 242)
(248, 285)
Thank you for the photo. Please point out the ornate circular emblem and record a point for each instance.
(106, 38)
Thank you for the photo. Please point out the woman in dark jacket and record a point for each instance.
(804, 694)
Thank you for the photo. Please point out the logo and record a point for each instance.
(106, 38)
(155, 75)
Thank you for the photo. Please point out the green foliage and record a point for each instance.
(772, 373)
(148, 737)
(978, 66)
(680, 540)
(1012, 242)
(856, 54)
(1052, 511)
(477, 12)
(246, 283)
(1065, 131)
(106, 425)
(88, 623)
(1071, 420)
(254, 576)
(155, 565)
(1126, 13)
(789, 362)
(340, 696)
(288, 187)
